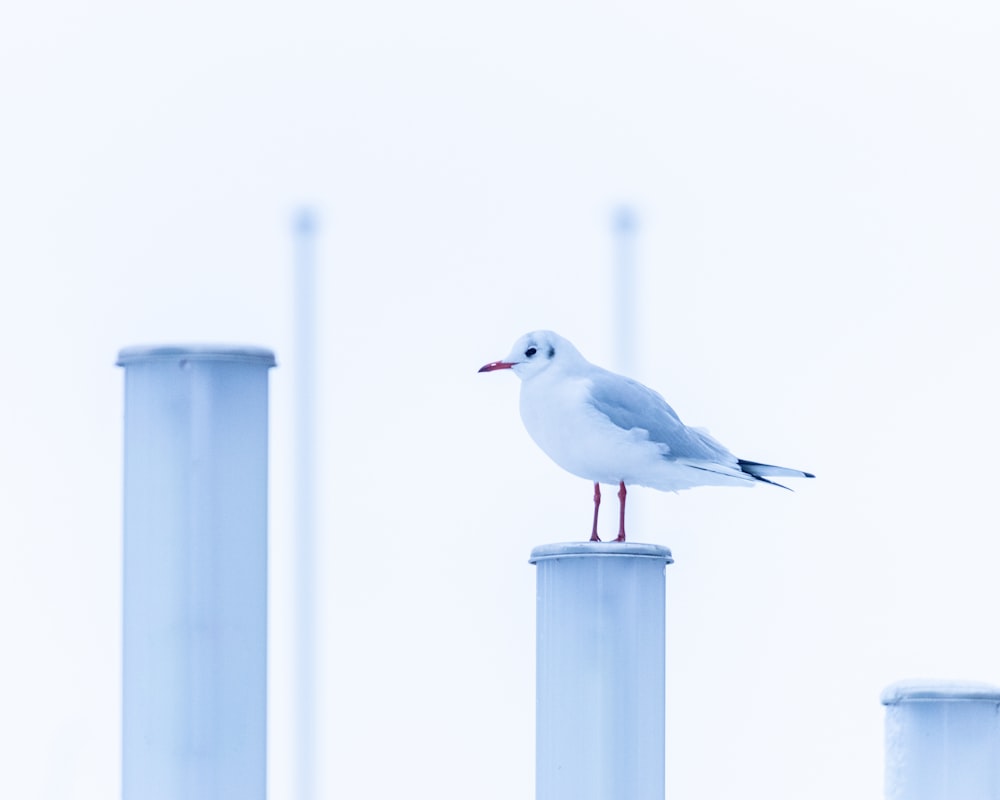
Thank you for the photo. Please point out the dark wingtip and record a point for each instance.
(755, 468)
(773, 483)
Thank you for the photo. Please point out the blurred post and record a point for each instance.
(194, 671)
(624, 225)
(942, 741)
(600, 671)
(305, 229)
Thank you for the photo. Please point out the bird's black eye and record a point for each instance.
(530, 352)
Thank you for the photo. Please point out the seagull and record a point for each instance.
(614, 430)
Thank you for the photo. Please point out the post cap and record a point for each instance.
(195, 352)
(923, 689)
(601, 549)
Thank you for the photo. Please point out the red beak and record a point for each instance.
(496, 365)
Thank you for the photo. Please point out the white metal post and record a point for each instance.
(194, 677)
(600, 671)
(942, 741)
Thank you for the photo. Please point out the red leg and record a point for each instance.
(621, 512)
(597, 504)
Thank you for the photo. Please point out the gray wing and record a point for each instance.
(629, 404)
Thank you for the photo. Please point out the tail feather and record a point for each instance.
(759, 471)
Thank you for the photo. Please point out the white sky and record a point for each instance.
(817, 186)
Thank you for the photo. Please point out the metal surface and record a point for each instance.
(942, 741)
(600, 671)
(194, 678)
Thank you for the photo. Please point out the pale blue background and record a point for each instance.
(817, 186)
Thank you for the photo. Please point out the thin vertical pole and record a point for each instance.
(624, 225)
(305, 504)
(624, 230)
(194, 633)
(600, 671)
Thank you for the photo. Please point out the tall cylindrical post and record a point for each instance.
(600, 671)
(194, 677)
(942, 741)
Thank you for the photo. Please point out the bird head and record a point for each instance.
(534, 353)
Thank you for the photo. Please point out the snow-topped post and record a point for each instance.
(194, 660)
(600, 671)
(942, 741)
